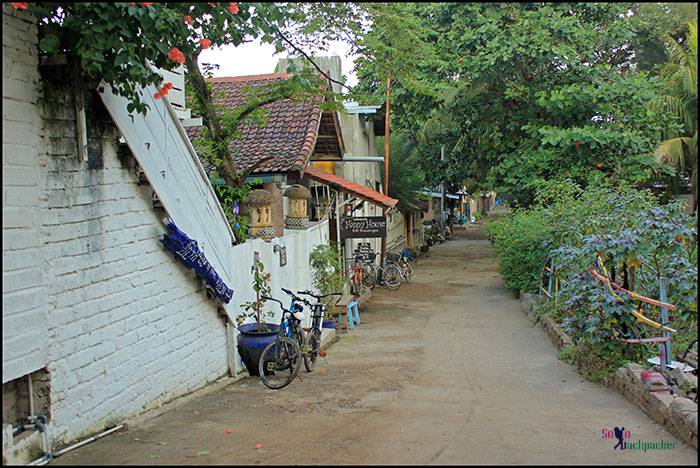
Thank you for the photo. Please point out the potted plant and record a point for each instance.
(327, 271)
(255, 336)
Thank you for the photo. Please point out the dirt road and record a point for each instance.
(445, 371)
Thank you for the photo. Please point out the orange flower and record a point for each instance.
(600, 165)
(146, 3)
(233, 7)
(187, 19)
(176, 56)
(20, 6)
(205, 43)
(163, 91)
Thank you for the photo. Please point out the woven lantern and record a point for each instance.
(298, 217)
(260, 211)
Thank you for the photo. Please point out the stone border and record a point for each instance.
(679, 415)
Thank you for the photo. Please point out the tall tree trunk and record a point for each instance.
(221, 159)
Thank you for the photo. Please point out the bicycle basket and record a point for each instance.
(392, 257)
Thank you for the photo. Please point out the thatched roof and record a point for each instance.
(297, 191)
(259, 197)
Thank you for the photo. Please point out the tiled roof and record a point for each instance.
(287, 138)
(345, 185)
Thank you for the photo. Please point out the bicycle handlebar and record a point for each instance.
(294, 296)
(309, 293)
(275, 300)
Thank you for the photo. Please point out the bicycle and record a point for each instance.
(396, 259)
(369, 269)
(314, 334)
(307, 342)
(280, 360)
(355, 273)
(407, 266)
(390, 274)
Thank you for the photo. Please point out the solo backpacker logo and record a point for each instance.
(623, 438)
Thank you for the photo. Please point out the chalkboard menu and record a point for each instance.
(364, 253)
(362, 227)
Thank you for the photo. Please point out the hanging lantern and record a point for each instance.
(298, 217)
(260, 211)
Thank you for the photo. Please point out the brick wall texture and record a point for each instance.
(118, 322)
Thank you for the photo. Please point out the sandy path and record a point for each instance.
(445, 370)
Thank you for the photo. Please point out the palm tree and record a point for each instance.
(681, 74)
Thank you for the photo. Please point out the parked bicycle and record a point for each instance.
(388, 275)
(398, 260)
(281, 359)
(406, 264)
(355, 273)
(313, 342)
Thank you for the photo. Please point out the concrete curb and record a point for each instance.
(679, 415)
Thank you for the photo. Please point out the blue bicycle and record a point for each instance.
(281, 359)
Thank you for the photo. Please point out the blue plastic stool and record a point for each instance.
(352, 319)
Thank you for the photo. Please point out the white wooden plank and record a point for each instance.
(176, 175)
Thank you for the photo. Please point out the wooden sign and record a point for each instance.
(362, 227)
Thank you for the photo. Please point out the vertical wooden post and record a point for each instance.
(665, 357)
(386, 165)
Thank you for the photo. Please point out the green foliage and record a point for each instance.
(598, 364)
(520, 245)
(524, 93)
(327, 270)
(229, 195)
(115, 42)
(681, 74)
(629, 229)
(261, 286)
(566, 354)
(406, 179)
(654, 22)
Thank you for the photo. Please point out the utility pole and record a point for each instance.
(442, 195)
(386, 166)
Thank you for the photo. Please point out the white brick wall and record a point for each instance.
(24, 309)
(127, 323)
(88, 290)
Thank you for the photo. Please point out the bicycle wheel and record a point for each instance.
(369, 279)
(310, 351)
(408, 272)
(279, 363)
(391, 277)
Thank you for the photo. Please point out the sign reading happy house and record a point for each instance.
(362, 227)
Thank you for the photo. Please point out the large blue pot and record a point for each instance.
(251, 343)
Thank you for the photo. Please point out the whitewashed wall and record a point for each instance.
(24, 308)
(295, 275)
(89, 291)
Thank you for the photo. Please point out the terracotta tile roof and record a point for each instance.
(287, 138)
(345, 185)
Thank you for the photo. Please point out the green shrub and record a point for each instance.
(628, 228)
(327, 271)
(566, 354)
(520, 245)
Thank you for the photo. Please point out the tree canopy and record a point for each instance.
(522, 93)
